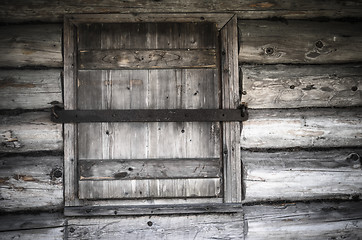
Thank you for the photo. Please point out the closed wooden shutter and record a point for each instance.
(145, 65)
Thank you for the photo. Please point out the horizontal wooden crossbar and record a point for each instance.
(159, 115)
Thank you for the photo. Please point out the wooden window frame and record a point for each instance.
(230, 99)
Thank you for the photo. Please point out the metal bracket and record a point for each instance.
(150, 115)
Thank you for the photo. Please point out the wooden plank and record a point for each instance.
(70, 101)
(302, 175)
(44, 11)
(16, 222)
(31, 183)
(146, 59)
(31, 45)
(299, 42)
(152, 210)
(293, 86)
(148, 168)
(145, 35)
(146, 188)
(32, 131)
(305, 128)
(315, 220)
(30, 89)
(202, 226)
(230, 100)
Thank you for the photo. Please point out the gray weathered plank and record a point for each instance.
(299, 42)
(31, 45)
(204, 226)
(149, 188)
(16, 222)
(301, 175)
(315, 220)
(146, 59)
(31, 183)
(42, 10)
(70, 130)
(152, 210)
(230, 100)
(148, 168)
(294, 86)
(144, 35)
(30, 89)
(287, 128)
(32, 131)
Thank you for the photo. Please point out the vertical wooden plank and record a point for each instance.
(70, 161)
(231, 100)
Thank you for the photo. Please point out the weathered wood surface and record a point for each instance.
(230, 99)
(305, 128)
(150, 188)
(46, 11)
(141, 59)
(149, 168)
(31, 183)
(294, 86)
(299, 42)
(143, 35)
(30, 89)
(32, 226)
(31, 45)
(205, 226)
(152, 210)
(315, 220)
(302, 175)
(148, 89)
(32, 131)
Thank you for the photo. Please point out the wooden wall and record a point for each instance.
(301, 147)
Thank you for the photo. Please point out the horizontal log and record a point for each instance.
(146, 59)
(42, 10)
(202, 226)
(32, 226)
(299, 42)
(31, 45)
(152, 209)
(32, 131)
(302, 175)
(294, 86)
(150, 188)
(31, 183)
(30, 89)
(316, 220)
(149, 168)
(304, 128)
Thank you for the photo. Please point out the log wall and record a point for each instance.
(301, 147)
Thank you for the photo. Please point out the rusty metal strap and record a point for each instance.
(159, 115)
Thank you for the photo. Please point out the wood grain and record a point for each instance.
(31, 183)
(149, 188)
(30, 89)
(303, 128)
(230, 100)
(148, 168)
(294, 86)
(31, 45)
(146, 59)
(270, 42)
(201, 226)
(302, 175)
(44, 11)
(31, 131)
(32, 226)
(152, 210)
(315, 220)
